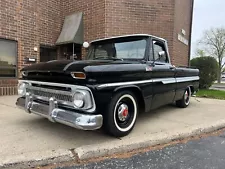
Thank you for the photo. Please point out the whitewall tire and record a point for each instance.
(121, 116)
(185, 101)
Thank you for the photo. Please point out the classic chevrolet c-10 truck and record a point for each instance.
(119, 78)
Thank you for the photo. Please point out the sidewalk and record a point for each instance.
(26, 137)
(218, 86)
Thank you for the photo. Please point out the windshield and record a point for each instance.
(134, 49)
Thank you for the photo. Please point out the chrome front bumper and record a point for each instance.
(55, 114)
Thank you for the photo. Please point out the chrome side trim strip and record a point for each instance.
(187, 79)
(124, 83)
(163, 80)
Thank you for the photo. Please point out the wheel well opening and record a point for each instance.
(192, 89)
(139, 97)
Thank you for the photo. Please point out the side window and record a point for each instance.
(159, 51)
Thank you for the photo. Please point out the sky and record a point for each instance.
(207, 14)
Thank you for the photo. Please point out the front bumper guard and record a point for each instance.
(55, 114)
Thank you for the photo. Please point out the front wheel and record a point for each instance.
(121, 116)
(185, 101)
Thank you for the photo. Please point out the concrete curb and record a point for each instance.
(35, 157)
(123, 145)
(119, 146)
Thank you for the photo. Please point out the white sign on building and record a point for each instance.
(183, 39)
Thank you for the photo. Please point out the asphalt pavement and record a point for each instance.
(205, 153)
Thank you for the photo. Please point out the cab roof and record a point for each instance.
(131, 35)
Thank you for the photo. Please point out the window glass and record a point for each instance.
(134, 49)
(8, 58)
(151, 54)
(122, 50)
(159, 47)
(100, 52)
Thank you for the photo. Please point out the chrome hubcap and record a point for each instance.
(123, 112)
(187, 97)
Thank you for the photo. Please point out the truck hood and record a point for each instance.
(70, 66)
(97, 71)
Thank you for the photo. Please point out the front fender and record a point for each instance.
(104, 95)
(126, 87)
(138, 93)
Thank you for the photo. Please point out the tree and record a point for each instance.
(200, 53)
(208, 68)
(214, 43)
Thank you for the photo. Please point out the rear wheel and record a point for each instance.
(121, 116)
(185, 101)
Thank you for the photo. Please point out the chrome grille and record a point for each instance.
(48, 93)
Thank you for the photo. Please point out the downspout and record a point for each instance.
(190, 35)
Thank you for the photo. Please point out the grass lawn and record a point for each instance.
(210, 93)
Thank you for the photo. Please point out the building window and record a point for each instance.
(47, 53)
(70, 51)
(8, 58)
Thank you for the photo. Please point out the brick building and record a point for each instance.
(31, 29)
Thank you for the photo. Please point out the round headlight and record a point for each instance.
(22, 89)
(78, 99)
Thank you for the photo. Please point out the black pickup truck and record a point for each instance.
(119, 78)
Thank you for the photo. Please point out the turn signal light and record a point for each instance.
(78, 75)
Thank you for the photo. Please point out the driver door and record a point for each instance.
(163, 75)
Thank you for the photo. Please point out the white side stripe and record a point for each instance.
(163, 80)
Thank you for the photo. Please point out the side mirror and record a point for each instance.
(86, 44)
(162, 54)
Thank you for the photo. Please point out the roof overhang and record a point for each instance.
(72, 30)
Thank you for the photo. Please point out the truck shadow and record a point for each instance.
(65, 134)
(166, 109)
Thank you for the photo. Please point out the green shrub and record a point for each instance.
(208, 67)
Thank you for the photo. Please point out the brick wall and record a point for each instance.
(117, 17)
(150, 17)
(30, 23)
(8, 87)
(182, 20)
(94, 16)
(161, 18)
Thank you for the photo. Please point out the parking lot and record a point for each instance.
(26, 137)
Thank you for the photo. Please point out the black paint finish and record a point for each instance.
(167, 92)
(98, 72)
(207, 153)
